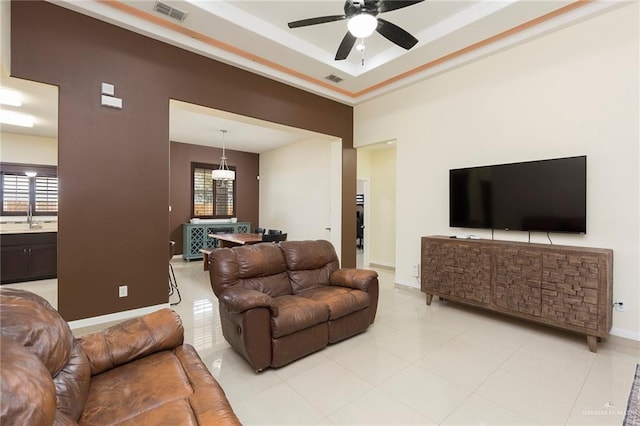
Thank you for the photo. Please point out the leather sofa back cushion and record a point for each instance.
(259, 267)
(262, 267)
(154, 332)
(30, 321)
(305, 255)
(28, 395)
(274, 286)
(310, 263)
(223, 270)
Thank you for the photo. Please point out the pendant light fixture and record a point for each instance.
(223, 173)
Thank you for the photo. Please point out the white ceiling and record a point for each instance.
(38, 100)
(198, 125)
(253, 35)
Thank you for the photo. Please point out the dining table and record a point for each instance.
(228, 240)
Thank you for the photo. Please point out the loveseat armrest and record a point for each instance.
(240, 299)
(133, 339)
(359, 279)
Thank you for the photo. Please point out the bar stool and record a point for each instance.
(173, 284)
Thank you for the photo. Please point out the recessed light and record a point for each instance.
(16, 118)
(10, 97)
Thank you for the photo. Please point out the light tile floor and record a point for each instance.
(440, 364)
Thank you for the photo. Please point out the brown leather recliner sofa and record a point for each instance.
(280, 302)
(137, 372)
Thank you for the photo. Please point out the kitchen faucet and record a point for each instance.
(30, 218)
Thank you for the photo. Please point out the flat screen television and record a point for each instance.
(545, 195)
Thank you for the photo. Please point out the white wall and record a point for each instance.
(298, 190)
(15, 148)
(378, 167)
(572, 92)
(5, 38)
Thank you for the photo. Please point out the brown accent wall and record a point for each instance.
(114, 164)
(247, 189)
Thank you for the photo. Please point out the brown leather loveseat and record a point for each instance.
(137, 372)
(280, 302)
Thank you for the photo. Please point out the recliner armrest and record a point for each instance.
(240, 299)
(132, 339)
(359, 279)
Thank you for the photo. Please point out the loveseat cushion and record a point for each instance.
(28, 394)
(309, 263)
(295, 314)
(132, 339)
(260, 267)
(339, 301)
(168, 387)
(30, 321)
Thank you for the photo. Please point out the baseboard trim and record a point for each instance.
(406, 283)
(385, 265)
(626, 334)
(117, 316)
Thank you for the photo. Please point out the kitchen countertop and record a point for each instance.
(23, 228)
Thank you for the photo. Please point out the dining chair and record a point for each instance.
(274, 238)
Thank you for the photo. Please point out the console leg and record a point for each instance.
(429, 298)
(592, 342)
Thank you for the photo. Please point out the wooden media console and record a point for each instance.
(562, 286)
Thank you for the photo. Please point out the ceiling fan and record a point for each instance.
(363, 20)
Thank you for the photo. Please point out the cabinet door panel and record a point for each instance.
(43, 261)
(517, 280)
(13, 263)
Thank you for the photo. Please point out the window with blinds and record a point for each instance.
(21, 193)
(46, 194)
(211, 199)
(16, 193)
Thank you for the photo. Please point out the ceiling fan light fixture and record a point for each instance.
(362, 25)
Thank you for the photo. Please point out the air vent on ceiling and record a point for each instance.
(334, 78)
(171, 12)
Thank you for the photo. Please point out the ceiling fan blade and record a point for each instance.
(389, 5)
(314, 21)
(345, 47)
(395, 34)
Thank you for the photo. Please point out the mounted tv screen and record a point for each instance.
(546, 195)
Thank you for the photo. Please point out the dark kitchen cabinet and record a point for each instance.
(28, 256)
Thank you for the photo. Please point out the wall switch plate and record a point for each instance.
(123, 291)
(111, 102)
(108, 89)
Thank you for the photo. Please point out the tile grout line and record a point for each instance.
(584, 380)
